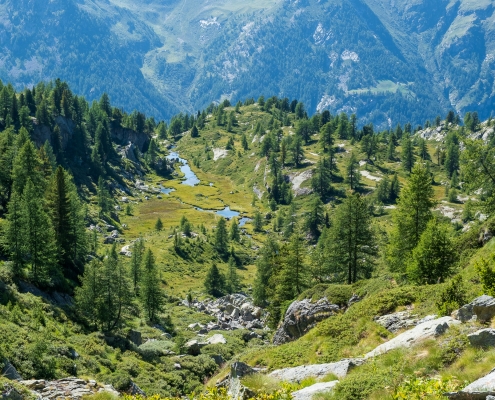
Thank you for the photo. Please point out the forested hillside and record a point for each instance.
(155, 255)
(388, 63)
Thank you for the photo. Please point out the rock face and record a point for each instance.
(8, 371)
(426, 330)
(339, 369)
(482, 307)
(401, 320)
(480, 389)
(318, 388)
(235, 311)
(301, 316)
(68, 388)
(483, 338)
(124, 136)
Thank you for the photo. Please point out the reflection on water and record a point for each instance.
(190, 178)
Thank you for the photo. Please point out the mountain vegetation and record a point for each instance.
(408, 61)
(119, 230)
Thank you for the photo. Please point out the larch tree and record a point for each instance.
(351, 240)
(411, 217)
(151, 294)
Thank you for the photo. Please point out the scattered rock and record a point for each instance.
(423, 331)
(301, 316)
(218, 359)
(483, 338)
(482, 307)
(237, 391)
(479, 389)
(8, 371)
(339, 369)
(10, 393)
(318, 388)
(240, 369)
(193, 347)
(396, 321)
(135, 337)
(217, 339)
(136, 390)
(67, 388)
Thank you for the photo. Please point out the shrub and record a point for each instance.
(420, 388)
(155, 348)
(487, 276)
(452, 297)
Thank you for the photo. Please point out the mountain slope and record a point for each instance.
(389, 61)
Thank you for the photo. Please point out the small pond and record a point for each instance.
(190, 178)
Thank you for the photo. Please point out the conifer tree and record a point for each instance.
(235, 234)
(394, 188)
(391, 148)
(14, 243)
(151, 295)
(297, 151)
(38, 235)
(158, 225)
(244, 142)
(257, 222)
(214, 282)
(433, 259)
(116, 296)
(411, 217)
(221, 237)
(232, 282)
(137, 252)
(352, 244)
(352, 175)
(27, 165)
(315, 218)
(104, 199)
(407, 155)
(322, 177)
(294, 274)
(265, 265)
(88, 295)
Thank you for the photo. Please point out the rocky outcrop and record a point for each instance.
(318, 388)
(235, 311)
(8, 371)
(68, 388)
(339, 369)
(124, 136)
(401, 320)
(426, 330)
(42, 133)
(301, 316)
(480, 389)
(483, 338)
(483, 308)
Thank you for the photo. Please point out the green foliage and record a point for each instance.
(486, 273)
(452, 297)
(214, 282)
(352, 175)
(426, 388)
(151, 294)
(434, 257)
(158, 224)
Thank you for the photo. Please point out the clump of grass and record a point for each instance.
(261, 383)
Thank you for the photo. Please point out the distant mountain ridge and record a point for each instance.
(389, 61)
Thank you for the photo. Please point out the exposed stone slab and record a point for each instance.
(426, 330)
(318, 388)
(478, 390)
(339, 369)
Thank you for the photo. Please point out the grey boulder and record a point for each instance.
(301, 316)
(426, 330)
(480, 389)
(318, 388)
(482, 307)
(483, 338)
(339, 369)
(8, 371)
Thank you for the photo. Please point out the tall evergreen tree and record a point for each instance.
(315, 218)
(38, 235)
(433, 259)
(265, 265)
(352, 174)
(352, 243)
(27, 165)
(322, 177)
(411, 217)
(221, 237)
(151, 295)
(14, 243)
(88, 295)
(137, 252)
(232, 282)
(214, 282)
(407, 155)
(235, 235)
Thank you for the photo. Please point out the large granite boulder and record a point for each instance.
(318, 388)
(67, 388)
(482, 307)
(301, 316)
(478, 390)
(340, 369)
(426, 330)
(483, 338)
(8, 371)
